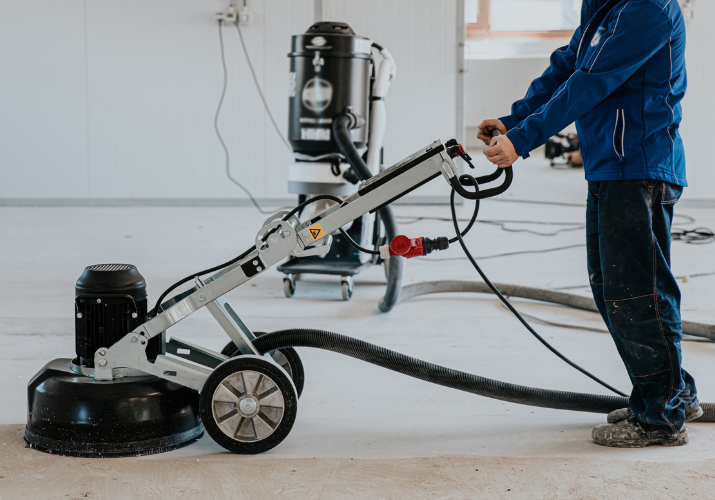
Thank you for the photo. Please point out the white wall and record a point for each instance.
(493, 85)
(114, 99)
(699, 104)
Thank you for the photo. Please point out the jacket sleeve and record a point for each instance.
(641, 30)
(563, 61)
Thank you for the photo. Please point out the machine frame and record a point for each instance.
(275, 241)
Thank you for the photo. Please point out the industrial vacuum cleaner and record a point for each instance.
(133, 389)
(333, 70)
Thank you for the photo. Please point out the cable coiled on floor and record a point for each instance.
(447, 377)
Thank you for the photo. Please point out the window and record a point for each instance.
(522, 18)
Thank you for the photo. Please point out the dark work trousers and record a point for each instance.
(628, 240)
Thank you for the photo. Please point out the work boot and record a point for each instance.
(632, 433)
(692, 412)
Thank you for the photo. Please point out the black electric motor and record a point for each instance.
(330, 70)
(110, 301)
(69, 413)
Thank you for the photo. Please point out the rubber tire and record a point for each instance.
(288, 288)
(347, 291)
(260, 365)
(296, 364)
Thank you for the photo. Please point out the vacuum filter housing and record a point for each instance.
(330, 70)
(69, 413)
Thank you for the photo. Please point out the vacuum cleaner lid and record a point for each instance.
(331, 39)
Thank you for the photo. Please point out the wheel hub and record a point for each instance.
(248, 406)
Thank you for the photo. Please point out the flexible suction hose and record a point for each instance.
(526, 292)
(341, 133)
(447, 377)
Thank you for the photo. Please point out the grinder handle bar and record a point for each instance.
(487, 193)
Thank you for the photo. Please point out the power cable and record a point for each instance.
(356, 245)
(508, 254)
(593, 329)
(260, 92)
(226, 153)
(573, 226)
(244, 254)
(508, 304)
(698, 236)
(516, 313)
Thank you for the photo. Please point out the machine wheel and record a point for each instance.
(287, 358)
(348, 287)
(248, 405)
(289, 285)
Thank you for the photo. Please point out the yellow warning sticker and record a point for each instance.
(316, 231)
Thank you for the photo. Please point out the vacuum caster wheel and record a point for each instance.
(348, 287)
(248, 405)
(287, 358)
(289, 285)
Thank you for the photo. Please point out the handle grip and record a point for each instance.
(487, 193)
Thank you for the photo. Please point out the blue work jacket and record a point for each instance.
(621, 79)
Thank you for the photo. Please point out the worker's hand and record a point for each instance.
(501, 152)
(486, 129)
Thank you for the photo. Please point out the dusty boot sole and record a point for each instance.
(661, 440)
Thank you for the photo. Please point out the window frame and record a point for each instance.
(482, 29)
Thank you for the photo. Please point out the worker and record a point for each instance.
(621, 79)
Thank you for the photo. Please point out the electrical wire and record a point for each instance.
(226, 153)
(508, 254)
(196, 275)
(684, 278)
(701, 235)
(475, 213)
(356, 245)
(508, 304)
(464, 233)
(594, 329)
(573, 226)
(260, 92)
(698, 236)
(516, 313)
(245, 254)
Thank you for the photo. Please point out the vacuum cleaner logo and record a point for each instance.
(318, 41)
(317, 94)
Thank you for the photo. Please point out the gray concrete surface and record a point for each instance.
(349, 409)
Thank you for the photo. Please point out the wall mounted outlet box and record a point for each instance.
(245, 17)
(688, 9)
(230, 15)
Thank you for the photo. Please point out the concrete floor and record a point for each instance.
(361, 431)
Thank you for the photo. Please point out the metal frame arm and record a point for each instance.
(276, 240)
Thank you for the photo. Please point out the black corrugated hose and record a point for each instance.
(341, 133)
(447, 377)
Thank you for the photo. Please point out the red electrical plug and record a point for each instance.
(402, 246)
